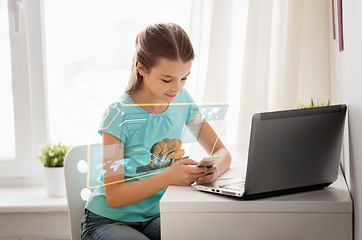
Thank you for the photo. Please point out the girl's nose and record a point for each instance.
(177, 86)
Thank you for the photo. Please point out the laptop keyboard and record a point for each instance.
(234, 186)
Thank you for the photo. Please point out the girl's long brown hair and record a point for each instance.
(158, 40)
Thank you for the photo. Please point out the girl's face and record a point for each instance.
(164, 81)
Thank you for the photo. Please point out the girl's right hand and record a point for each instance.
(182, 172)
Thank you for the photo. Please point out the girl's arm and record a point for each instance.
(209, 140)
(120, 193)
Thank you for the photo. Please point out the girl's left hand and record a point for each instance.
(211, 175)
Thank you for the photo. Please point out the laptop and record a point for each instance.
(289, 151)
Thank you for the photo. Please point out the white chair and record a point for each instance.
(75, 166)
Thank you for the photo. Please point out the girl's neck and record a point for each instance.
(148, 104)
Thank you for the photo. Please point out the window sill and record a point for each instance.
(30, 200)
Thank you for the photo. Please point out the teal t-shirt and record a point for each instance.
(151, 143)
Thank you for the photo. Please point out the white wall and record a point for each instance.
(347, 88)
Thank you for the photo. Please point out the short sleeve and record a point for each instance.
(112, 122)
(189, 101)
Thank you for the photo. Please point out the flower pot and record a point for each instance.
(55, 181)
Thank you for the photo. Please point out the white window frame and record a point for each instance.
(26, 31)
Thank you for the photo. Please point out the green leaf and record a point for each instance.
(52, 155)
(312, 104)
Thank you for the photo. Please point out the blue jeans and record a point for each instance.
(97, 227)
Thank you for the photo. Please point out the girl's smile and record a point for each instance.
(171, 96)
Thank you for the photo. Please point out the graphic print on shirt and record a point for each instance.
(163, 154)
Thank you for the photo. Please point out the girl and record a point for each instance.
(142, 136)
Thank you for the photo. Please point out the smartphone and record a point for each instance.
(208, 161)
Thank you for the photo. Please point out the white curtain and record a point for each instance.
(279, 57)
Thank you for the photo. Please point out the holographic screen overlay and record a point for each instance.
(83, 110)
(214, 114)
(108, 161)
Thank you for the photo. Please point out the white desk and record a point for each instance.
(315, 215)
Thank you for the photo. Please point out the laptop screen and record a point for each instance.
(294, 149)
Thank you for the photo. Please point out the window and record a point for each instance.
(21, 39)
(7, 139)
(89, 57)
(81, 54)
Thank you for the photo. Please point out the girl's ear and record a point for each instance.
(141, 69)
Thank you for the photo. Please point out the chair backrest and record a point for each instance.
(75, 166)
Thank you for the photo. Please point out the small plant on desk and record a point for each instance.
(312, 104)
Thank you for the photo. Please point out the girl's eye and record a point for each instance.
(166, 81)
(184, 79)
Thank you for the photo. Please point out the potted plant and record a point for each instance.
(52, 157)
(313, 104)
